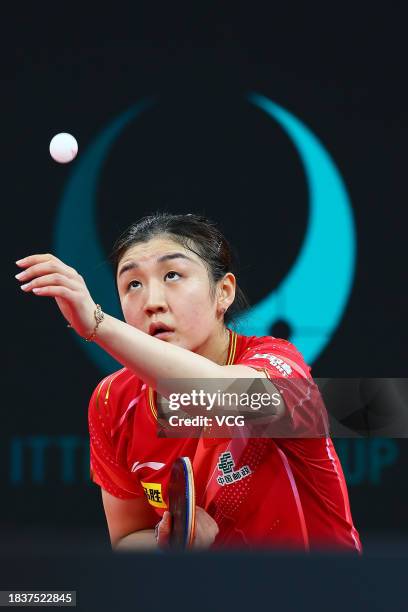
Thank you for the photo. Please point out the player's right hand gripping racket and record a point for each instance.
(182, 504)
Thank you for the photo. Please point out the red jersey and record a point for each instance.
(280, 492)
(128, 459)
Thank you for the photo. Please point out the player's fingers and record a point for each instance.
(206, 529)
(55, 291)
(44, 258)
(164, 528)
(50, 280)
(205, 518)
(48, 266)
(166, 523)
(34, 259)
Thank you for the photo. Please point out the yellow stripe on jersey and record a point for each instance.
(99, 391)
(152, 403)
(232, 347)
(109, 378)
(114, 376)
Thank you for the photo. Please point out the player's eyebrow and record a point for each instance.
(131, 265)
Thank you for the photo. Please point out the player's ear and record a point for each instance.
(226, 292)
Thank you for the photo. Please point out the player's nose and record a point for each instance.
(155, 299)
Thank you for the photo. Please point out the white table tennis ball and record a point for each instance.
(63, 148)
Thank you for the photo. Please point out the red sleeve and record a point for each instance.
(284, 365)
(105, 469)
(277, 357)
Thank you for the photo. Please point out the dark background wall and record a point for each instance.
(200, 148)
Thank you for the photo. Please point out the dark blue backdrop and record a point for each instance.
(201, 148)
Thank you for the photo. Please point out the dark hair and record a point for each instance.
(194, 232)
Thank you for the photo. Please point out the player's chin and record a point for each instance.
(177, 339)
(168, 336)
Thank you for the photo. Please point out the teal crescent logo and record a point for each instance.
(311, 298)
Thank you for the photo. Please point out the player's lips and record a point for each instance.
(160, 330)
(163, 335)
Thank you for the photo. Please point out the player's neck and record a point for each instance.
(216, 346)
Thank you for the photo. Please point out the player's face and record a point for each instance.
(167, 284)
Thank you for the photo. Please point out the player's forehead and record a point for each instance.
(154, 251)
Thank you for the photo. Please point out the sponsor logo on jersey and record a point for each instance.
(226, 465)
(153, 492)
(155, 465)
(282, 367)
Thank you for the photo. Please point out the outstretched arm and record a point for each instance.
(150, 358)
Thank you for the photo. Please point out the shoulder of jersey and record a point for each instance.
(270, 341)
(282, 347)
(111, 389)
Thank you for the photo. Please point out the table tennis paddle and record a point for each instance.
(182, 504)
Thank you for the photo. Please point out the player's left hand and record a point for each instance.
(163, 529)
(206, 530)
(46, 275)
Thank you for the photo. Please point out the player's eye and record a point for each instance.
(172, 275)
(133, 282)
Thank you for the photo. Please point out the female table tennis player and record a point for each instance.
(178, 292)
